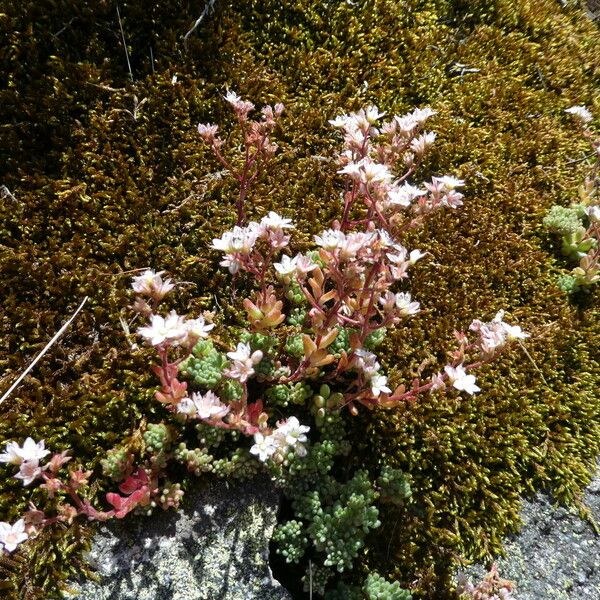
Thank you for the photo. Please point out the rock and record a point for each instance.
(215, 548)
(556, 554)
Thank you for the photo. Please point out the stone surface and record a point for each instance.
(215, 548)
(556, 555)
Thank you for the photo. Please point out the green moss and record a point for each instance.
(98, 192)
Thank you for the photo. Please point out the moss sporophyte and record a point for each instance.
(304, 357)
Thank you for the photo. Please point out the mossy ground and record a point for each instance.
(97, 192)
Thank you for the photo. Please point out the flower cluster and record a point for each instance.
(579, 223)
(314, 320)
(288, 436)
(258, 148)
(26, 457)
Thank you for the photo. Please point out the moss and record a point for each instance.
(98, 192)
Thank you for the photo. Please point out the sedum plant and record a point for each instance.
(579, 224)
(275, 392)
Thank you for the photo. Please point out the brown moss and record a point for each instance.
(99, 192)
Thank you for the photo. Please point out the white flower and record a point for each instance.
(172, 329)
(29, 471)
(239, 239)
(12, 535)
(30, 451)
(287, 266)
(405, 306)
(293, 432)
(186, 406)
(403, 196)
(273, 221)
(373, 172)
(460, 380)
(339, 122)
(330, 239)
(420, 115)
(581, 113)
(264, 447)
(593, 213)
(151, 284)
(367, 362)
(372, 114)
(415, 255)
(514, 332)
(379, 385)
(204, 406)
(448, 183)
(198, 328)
(388, 301)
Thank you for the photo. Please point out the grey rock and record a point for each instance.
(556, 554)
(215, 548)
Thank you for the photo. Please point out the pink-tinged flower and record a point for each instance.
(29, 471)
(205, 406)
(460, 380)
(305, 264)
(447, 183)
(150, 283)
(264, 446)
(80, 478)
(30, 451)
(208, 132)
(12, 535)
(379, 385)
(403, 196)
(581, 113)
(495, 334)
(241, 107)
(405, 306)
(388, 301)
(52, 486)
(354, 243)
(243, 362)
(57, 461)
(170, 330)
(437, 382)
(423, 142)
(330, 239)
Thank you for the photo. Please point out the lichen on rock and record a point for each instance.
(216, 547)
